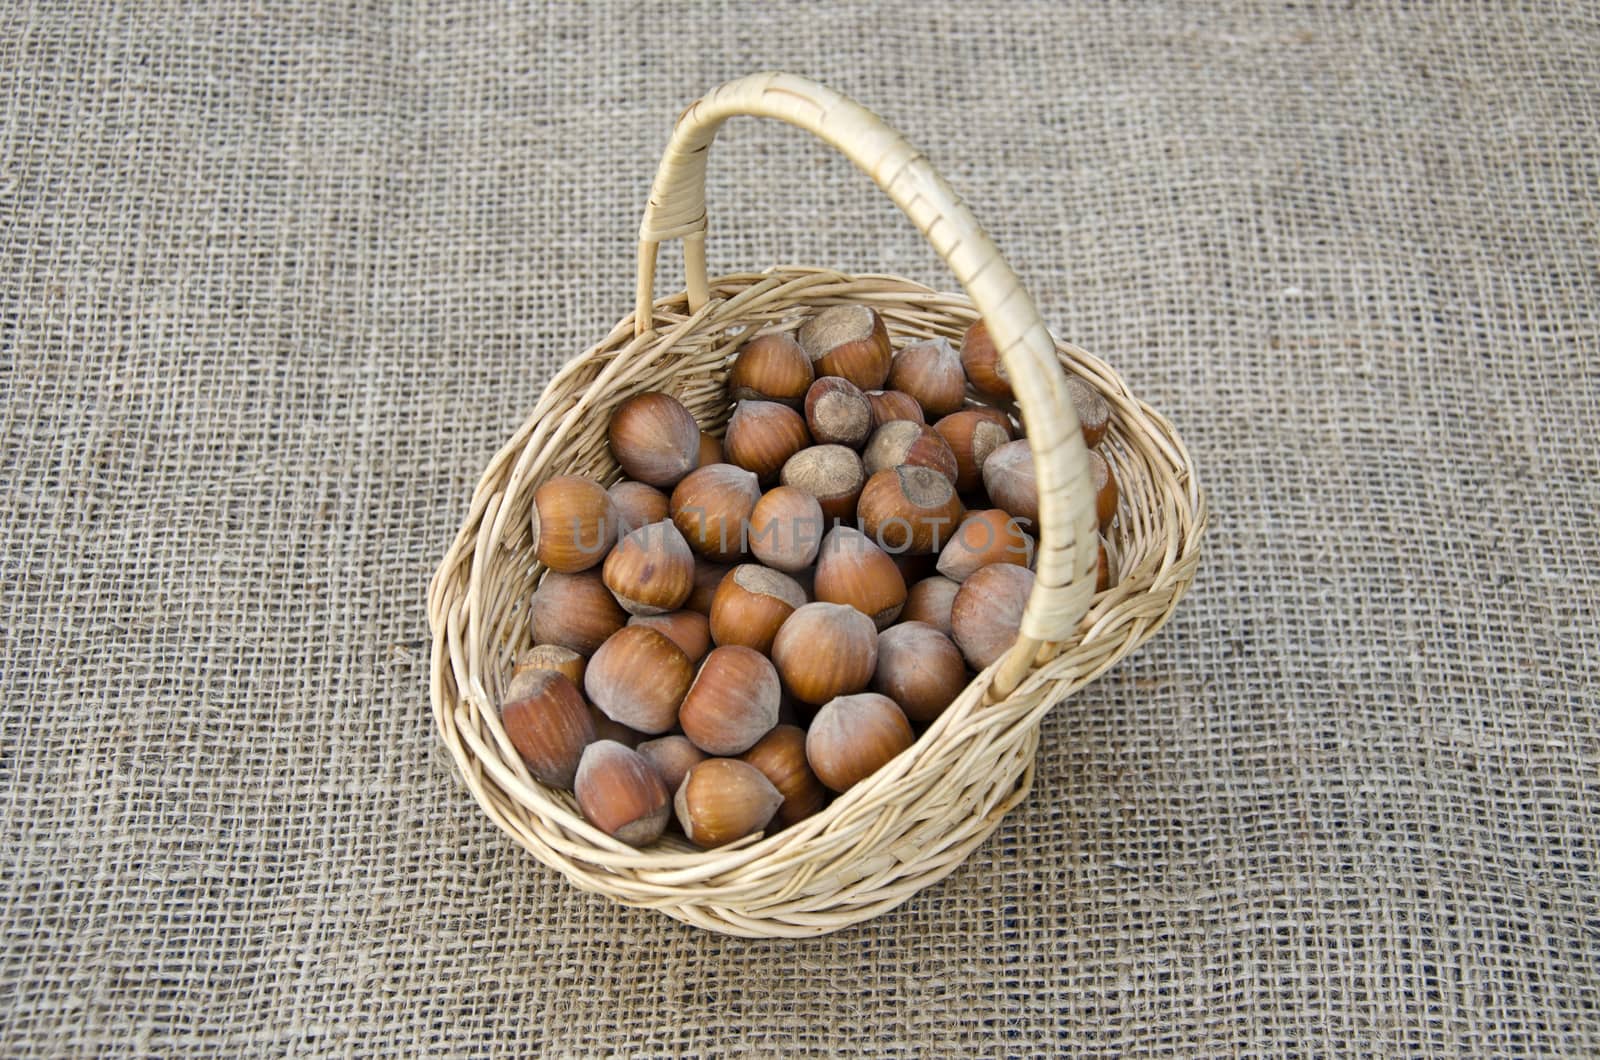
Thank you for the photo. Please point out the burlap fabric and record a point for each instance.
(278, 280)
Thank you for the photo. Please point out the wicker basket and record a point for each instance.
(913, 821)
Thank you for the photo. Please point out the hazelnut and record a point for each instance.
(711, 507)
(637, 505)
(762, 435)
(606, 729)
(891, 405)
(551, 657)
(1105, 489)
(987, 612)
(548, 723)
(909, 509)
(621, 793)
(575, 611)
(750, 605)
(689, 630)
(765, 434)
(1008, 478)
(707, 577)
(931, 373)
(920, 669)
(786, 529)
(724, 799)
(654, 439)
(838, 413)
(852, 570)
(830, 473)
(852, 737)
(848, 341)
(638, 678)
(781, 757)
(825, 650)
(972, 435)
(673, 756)
(573, 522)
(651, 571)
(710, 449)
(1094, 412)
(929, 601)
(733, 701)
(770, 367)
(981, 361)
(903, 442)
(991, 536)
(914, 567)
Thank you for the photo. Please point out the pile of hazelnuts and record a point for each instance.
(742, 627)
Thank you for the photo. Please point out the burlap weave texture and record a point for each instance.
(276, 280)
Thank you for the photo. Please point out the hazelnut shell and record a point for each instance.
(654, 439)
(854, 736)
(621, 793)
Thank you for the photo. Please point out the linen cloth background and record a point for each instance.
(278, 279)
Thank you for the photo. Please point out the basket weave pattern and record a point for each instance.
(913, 821)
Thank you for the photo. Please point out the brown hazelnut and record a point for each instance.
(576, 611)
(909, 509)
(733, 701)
(1105, 489)
(838, 413)
(891, 405)
(848, 341)
(1094, 412)
(825, 650)
(919, 668)
(852, 570)
(852, 737)
(1008, 478)
(637, 505)
(750, 605)
(914, 567)
(931, 373)
(987, 612)
(971, 436)
(651, 571)
(707, 579)
(724, 799)
(711, 507)
(990, 536)
(638, 678)
(689, 630)
(762, 435)
(621, 793)
(1102, 569)
(830, 473)
(781, 757)
(786, 528)
(710, 449)
(673, 757)
(655, 439)
(929, 601)
(981, 361)
(573, 522)
(548, 723)
(770, 367)
(903, 442)
(551, 657)
(615, 731)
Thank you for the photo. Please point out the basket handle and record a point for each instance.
(1068, 545)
